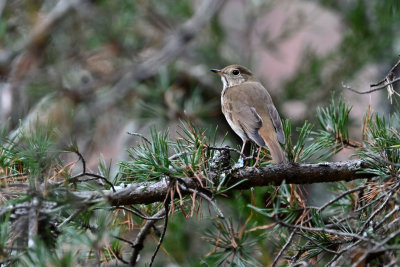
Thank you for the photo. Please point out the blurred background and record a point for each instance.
(95, 70)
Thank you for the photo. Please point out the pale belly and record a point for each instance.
(236, 128)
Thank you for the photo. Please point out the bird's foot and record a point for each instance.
(239, 164)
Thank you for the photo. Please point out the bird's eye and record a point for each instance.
(235, 72)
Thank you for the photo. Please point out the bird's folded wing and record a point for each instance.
(261, 96)
(248, 120)
(276, 121)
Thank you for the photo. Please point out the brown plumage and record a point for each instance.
(249, 110)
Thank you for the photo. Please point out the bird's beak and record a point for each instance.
(219, 72)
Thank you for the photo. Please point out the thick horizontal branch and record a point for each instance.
(300, 174)
(150, 192)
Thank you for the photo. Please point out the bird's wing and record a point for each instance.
(256, 100)
(260, 93)
(277, 122)
(243, 116)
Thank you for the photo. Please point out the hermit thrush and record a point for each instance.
(249, 110)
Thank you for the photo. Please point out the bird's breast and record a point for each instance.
(230, 118)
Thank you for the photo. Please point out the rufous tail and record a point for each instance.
(269, 136)
(277, 153)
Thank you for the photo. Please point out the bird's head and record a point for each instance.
(234, 75)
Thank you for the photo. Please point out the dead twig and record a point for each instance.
(85, 173)
(137, 245)
(166, 205)
(350, 236)
(139, 214)
(284, 247)
(374, 89)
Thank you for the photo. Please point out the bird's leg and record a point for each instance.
(241, 151)
(258, 157)
(242, 157)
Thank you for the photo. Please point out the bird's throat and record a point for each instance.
(224, 82)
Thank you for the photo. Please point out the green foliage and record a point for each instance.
(159, 158)
(382, 151)
(7, 153)
(40, 255)
(150, 159)
(281, 201)
(334, 121)
(233, 247)
(298, 152)
(76, 245)
(88, 231)
(319, 145)
(117, 34)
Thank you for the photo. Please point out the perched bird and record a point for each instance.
(249, 110)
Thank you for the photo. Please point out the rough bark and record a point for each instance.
(150, 192)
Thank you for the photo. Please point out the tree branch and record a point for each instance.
(144, 231)
(150, 192)
(374, 89)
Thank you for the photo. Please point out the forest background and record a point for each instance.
(78, 76)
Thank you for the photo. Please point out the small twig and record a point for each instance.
(392, 223)
(387, 239)
(352, 144)
(377, 247)
(389, 162)
(138, 213)
(300, 263)
(141, 136)
(377, 199)
(120, 258)
(387, 216)
(377, 88)
(394, 262)
(179, 194)
(117, 254)
(341, 196)
(298, 254)
(84, 173)
(284, 247)
(72, 216)
(348, 87)
(318, 245)
(4, 210)
(123, 239)
(75, 178)
(336, 223)
(166, 205)
(336, 257)
(320, 209)
(329, 231)
(13, 175)
(178, 155)
(82, 159)
(201, 194)
(14, 185)
(144, 231)
(364, 226)
(386, 84)
(378, 82)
